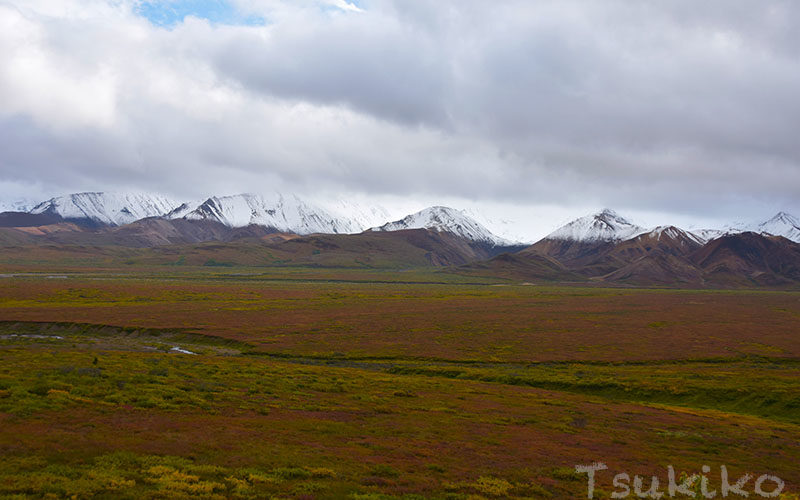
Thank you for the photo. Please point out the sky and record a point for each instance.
(531, 113)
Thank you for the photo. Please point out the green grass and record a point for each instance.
(756, 386)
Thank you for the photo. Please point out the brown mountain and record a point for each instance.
(663, 249)
(658, 257)
(587, 258)
(749, 259)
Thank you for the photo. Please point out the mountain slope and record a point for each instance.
(750, 258)
(402, 249)
(659, 256)
(445, 219)
(667, 239)
(111, 209)
(158, 231)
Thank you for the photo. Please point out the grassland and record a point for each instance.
(363, 384)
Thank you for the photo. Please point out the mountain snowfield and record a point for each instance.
(290, 213)
(445, 219)
(113, 209)
(284, 213)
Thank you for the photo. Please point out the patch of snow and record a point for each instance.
(182, 351)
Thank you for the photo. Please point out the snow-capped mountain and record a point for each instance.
(114, 209)
(284, 213)
(605, 225)
(290, 213)
(782, 224)
(445, 219)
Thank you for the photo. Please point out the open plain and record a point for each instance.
(311, 383)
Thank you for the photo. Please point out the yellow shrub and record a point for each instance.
(492, 486)
(322, 472)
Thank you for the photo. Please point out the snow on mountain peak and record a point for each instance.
(114, 209)
(675, 234)
(445, 219)
(283, 213)
(605, 225)
(782, 224)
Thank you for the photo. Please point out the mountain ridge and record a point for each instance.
(293, 214)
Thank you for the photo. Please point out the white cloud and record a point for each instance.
(344, 5)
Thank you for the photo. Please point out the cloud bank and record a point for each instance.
(659, 107)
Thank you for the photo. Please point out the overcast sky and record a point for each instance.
(532, 111)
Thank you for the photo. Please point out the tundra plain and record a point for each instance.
(209, 382)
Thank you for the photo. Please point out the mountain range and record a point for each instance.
(292, 214)
(603, 247)
(607, 248)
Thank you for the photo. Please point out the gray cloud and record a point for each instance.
(672, 107)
